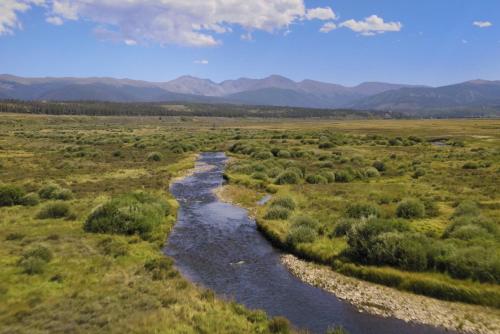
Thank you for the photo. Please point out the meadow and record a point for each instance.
(85, 210)
(409, 204)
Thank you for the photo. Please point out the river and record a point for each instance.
(217, 245)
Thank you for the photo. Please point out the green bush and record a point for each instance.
(410, 208)
(279, 325)
(372, 172)
(467, 208)
(154, 156)
(277, 213)
(316, 179)
(30, 199)
(287, 177)
(284, 154)
(263, 155)
(379, 165)
(419, 173)
(362, 210)
(285, 202)
(133, 213)
(343, 176)
(10, 195)
(343, 226)
(361, 237)
(301, 234)
(34, 260)
(54, 210)
(54, 191)
(470, 165)
(259, 176)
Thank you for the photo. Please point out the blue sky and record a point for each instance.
(432, 42)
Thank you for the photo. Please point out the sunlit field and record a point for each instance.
(410, 204)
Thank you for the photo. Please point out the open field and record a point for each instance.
(409, 204)
(55, 277)
(412, 204)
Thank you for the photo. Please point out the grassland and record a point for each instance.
(56, 277)
(408, 204)
(58, 171)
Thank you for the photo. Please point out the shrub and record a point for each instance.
(277, 212)
(54, 210)
(361, 210)
(279, 325)
(343, 226)
(410, 208)
(466, 208)
(403, 250)
(301, 234)
(362, 235)
(470, 165)
(419, 173)
(379, 165)
(264, 155)
(30, 199)
(343, 176)
(35, 260)
(32, 266)
(53, 191)
(284, 154)
(154, 156)
(285, 202)
(287, 177)
(10, 195)
(133, 213)
(259, 176)
(316, 179)
(329, 176)
(372, 172)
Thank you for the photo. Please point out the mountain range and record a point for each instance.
(274, 90)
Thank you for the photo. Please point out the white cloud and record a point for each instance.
(181, 22)
(327, 27)
(9, 10)
(482, 24)
(371, 25)
(130, 42)
(246, 36)
(55, 20)
(201, 62)
(321, 13)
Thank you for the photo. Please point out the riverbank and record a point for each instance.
(381, 300)
(388, 302)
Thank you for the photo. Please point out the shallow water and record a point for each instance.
(218, 246)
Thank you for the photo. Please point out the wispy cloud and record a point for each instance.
(201, 62)
(327, 27)
(482, 24)
(372, 25)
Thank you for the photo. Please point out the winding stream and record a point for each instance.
(218, 246)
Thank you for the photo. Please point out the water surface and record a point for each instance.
(218, 246)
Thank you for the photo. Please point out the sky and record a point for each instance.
(430, 42)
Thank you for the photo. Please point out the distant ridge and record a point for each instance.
(274, 90)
